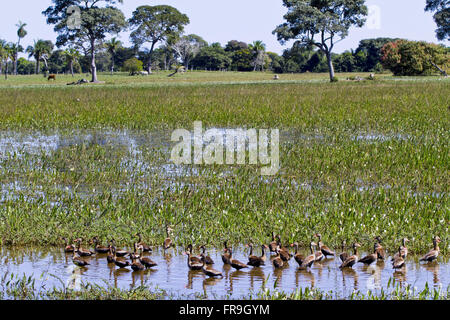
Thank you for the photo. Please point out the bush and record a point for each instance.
(133, 65)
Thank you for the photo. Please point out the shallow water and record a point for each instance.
(52, 267)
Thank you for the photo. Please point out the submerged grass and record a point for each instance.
(357, 160)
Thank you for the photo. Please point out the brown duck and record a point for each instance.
(323, 248)
(194, 263)
(208, 260)
(297, 256)
(236, 263)
(226, 256)
(344, 255)
(398, 262)
(273, 245)
(277, 262)
(167, 242)
(210, 272)
(145, 247)
(147, 262)
(118, 261)
(98, 248)
(81, 251)
(68, 248)
(76, 259)
(256, 261)
(380, 250)
(350, 261)
(309, 260)
(136, 265)
(371, 258)
(119, 252)
(433, 254)
(403, 253)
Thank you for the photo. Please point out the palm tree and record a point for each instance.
(6, 53)
(72, 55)
(21, 33)
(259, 49)
(41, 50)
(112, 46)
(2, 54)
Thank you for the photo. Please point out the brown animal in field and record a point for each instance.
(51, 77)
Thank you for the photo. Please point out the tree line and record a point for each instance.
(159, 43)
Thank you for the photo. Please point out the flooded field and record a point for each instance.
(54, 268)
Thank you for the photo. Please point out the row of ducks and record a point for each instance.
(283, 255)
(205, 262)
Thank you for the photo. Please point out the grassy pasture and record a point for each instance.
(358, 159)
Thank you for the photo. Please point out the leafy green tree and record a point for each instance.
(15, 49)
(275, 63)
(96, 23)
(212, 57)
(112, 46)
(243, 60)
(24, 66)
(133, 65)
(41, 50)
(155, 24)
(235, 45)
(21, 33)
(321, 23)
(413, 58)
(72, 56)
(441, 9)
(372, 50)
(6, 54)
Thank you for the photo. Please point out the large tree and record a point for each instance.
(187, 47)
(41, 50)
(154, 24)
(96, 23)
(21, 33)
(259, 52)
(441, 17)
(320, 23)
(72, 56)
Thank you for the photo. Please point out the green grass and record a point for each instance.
(353, 189)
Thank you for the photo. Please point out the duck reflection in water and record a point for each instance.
(306, 274)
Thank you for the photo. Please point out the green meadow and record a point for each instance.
(358, 159)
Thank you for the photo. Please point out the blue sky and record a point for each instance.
(244, 20)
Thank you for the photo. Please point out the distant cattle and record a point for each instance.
(276, 77)
(51, 77)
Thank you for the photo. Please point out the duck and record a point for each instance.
(277, 262)
(119, 261)
(194, 263)
(136, 264)
(273, 245)
(350, 261)
(371, 258)
(167, 242)
(284, 252)
(398, 262)
(76, 259)
(403, 253)
(110, 257)
(380, 250)
(68, 248)
(147, 262)
(98, 248)
(209, 271)
(343, 255)
(226, 257)
(434, 253)
(145, 248)
(236, 263)
(256, 261)
(297, 256)
(208, 259)
(83, 252)
(119, 252)
(136, 254)
(323, 248)
(309, 260)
